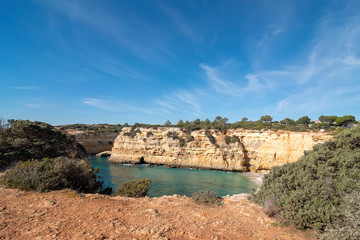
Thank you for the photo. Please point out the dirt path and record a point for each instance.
(68, 215)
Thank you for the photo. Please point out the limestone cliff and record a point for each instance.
(233, 150)
(94, 142)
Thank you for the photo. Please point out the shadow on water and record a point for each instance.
(169, 181)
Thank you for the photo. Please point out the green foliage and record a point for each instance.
(172, 134)
(311, 192)
(180, 123)
(207, 198)
(189, 138)
(52, 174)
(327, 119)
(182, 142)
(345, 120)
(133, 131)
(149, 134)
(97, 128)
(266, 118)
(303, 120)
(138, 188)
(232, 139)
(22, 140)
(167, 123)
(350, 228)
(288, 122)
(211, 139)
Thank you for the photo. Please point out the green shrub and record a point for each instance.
(172, 134)
(132, 133)
(182, 142)
(149, 134)
(24, 140)
(232, 139)
(310, 193)
(138, 188)
(207, 198)
(189, 138)
(52, 174)
(212, 139)
(350, 228)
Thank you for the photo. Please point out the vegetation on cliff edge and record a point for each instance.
(137, 188)
(52, 174)
(321, 190)
(22, 140)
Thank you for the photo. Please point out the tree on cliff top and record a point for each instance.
(327, 119)
(266, 118)
(22, 140)
(304, 120)
(312, 191)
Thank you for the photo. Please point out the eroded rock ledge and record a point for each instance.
(232, 150)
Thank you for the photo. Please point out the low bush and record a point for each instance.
(182, 142)
(312, 192)
(138, 188)
(52, 174)
(189, 138)
(212, 139)
(207, 198)
(149, 134)
(172, 134)
(232, 139)
(349, 229)
(132, 133)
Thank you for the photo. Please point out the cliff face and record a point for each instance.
(233, 150)
(95, 142)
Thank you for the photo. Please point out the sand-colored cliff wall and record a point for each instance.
(254, 150)
(95, 142)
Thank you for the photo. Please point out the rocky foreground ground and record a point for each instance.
(68, 215)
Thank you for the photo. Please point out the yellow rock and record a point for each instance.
(256, 151)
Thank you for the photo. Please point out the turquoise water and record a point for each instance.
(170, 181)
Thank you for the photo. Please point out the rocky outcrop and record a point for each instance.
(95, 142)
(104, 154)
(233, 150)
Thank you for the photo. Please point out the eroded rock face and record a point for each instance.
(96, 142)
(233, 150)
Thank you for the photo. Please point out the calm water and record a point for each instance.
(169, 181)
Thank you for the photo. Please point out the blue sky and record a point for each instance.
(68, 61)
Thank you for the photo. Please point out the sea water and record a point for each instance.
(170, 181)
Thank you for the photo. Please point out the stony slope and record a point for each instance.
(254, 150)
(68, 215)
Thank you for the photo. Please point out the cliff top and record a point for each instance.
(66, 214)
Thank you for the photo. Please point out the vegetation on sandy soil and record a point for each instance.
(138, 188)
(22, 140)
(321, 191)
(132, 133)
(96, 128)
(52, 174)
(207, 198)
(266, 122)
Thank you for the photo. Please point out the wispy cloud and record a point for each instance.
(330, 76)
(250, 83)
(182, 25)
(34, 105)
(108, 105)
(270, 35)
(179, 101)
(132, 35)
